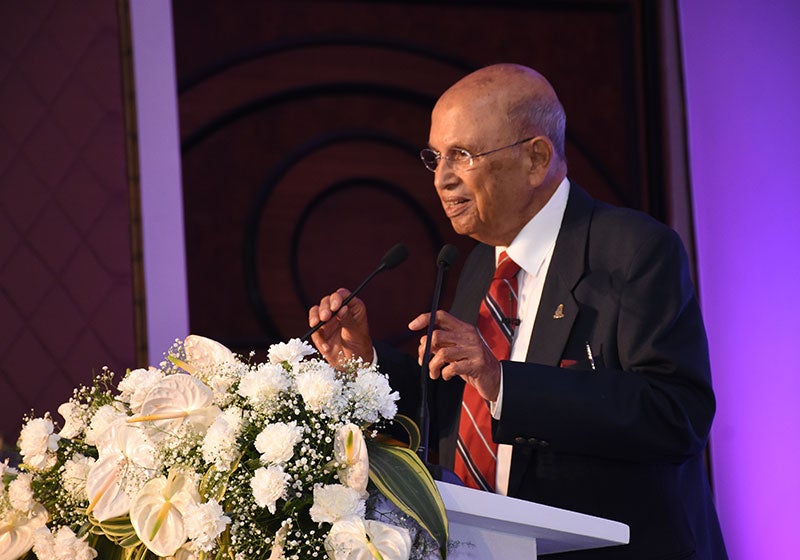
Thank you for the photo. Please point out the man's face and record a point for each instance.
(491, 200)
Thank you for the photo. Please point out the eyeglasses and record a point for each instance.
(459, 158)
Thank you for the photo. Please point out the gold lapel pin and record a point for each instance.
(559, 314)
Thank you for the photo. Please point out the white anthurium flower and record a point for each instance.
(118, 470)
(177, 399)
(204, 353)
(17, 531)
(187, 552)
(157, 512)
(356, 539)
(74, 422)
(101, 431)
(350, 450)
(280, 541)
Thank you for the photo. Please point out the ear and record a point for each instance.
(540, 151)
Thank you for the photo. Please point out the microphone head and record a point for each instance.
(447, 256)
(394, 256)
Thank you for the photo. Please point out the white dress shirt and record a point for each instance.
(532, 250)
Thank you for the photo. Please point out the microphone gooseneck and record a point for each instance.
(390, 260)
(447, 256)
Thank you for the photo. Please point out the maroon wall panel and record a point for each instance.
(66, 303)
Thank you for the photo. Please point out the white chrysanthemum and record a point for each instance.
(333, 502)
(63, 545)
(102, 426)
(354, 538)
(319, 387)
(269, 484)
(276, 442)
(44, 543)
(264, 384)
(219, 444)
(134, 388)
(350, 451)
(204, 522)
(37, 442)
(293, 351)
(373, 397)
(73, 478)
(74, 421)
(20, 493)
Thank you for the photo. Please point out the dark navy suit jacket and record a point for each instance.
(624, 441)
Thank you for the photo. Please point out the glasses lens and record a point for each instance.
(459, 158)
(429, 158)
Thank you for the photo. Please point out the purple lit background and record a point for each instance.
(742, 79)
(742, 76)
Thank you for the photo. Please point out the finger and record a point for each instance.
(421, 349)
(337, 298)
(419, 322)
(313, 316)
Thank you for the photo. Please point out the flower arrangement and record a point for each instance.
(209, 457)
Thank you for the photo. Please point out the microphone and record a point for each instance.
(391, 259)
(447, 256)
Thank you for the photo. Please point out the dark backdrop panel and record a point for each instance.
(301, 122)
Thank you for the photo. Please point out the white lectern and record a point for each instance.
(484, 526)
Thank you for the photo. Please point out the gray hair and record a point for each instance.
(541, 114)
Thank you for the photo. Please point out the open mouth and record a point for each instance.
(454, 206)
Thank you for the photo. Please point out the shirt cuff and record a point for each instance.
(496, 407)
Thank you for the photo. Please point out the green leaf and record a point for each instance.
(117, 529)
(401, 476)
(412, 430)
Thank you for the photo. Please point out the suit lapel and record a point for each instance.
(558, 308)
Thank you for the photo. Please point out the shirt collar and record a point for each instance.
(534, 241)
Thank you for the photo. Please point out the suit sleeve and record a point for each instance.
(651, 398)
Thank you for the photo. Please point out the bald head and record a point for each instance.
(520, 96)
(508, 121)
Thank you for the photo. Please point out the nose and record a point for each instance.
(444, 177)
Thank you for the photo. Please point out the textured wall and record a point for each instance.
(66, 303)
(742, 78)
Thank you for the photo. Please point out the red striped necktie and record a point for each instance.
(476, 457)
